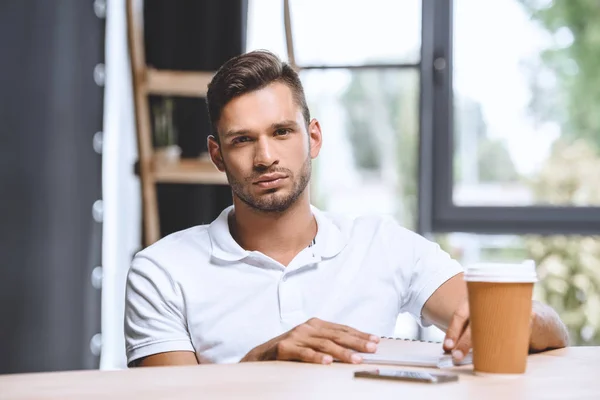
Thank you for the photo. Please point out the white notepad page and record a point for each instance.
(412, 353)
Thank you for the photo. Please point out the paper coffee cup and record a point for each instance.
(500, 314)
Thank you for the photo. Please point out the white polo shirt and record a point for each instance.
(198, 290)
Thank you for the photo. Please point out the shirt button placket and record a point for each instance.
(290, 303)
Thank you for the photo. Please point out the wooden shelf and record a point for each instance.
(154, 167)
(177, 83)
(199, 171)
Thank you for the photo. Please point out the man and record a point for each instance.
(275, 278)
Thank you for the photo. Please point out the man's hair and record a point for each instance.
(247, 73)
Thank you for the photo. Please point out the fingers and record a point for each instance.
(348, 340)
(317, 323)
(315, 350)
(344, 336)
(290, 351)
(358, 334)
(333, 349)
(457, 326)
(463, 346)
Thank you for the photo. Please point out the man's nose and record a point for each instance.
(264, 155)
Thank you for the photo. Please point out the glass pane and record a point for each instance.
(368, 162)
(334, 32)
(568, 270)
(526, 101)
(265, 28)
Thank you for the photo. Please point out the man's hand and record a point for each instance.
(458, 335)
(316, 341)
(547, 331)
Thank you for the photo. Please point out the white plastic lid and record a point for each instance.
(502, 272)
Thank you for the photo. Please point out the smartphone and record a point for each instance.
(406, 375)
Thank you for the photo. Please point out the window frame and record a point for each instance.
(437, 211)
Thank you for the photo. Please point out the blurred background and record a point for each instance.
(474, 123)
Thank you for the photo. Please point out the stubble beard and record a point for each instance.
(271, 201)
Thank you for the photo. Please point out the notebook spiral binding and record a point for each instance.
(411, 340)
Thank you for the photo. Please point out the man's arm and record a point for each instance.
(155, 323)
(448, 309)
(446, 301)
(164, 359)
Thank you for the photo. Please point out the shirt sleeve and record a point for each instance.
(421, 272)
(155, 319)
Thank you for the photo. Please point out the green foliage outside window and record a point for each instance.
(569, 267)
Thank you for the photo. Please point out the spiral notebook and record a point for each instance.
(412, 353)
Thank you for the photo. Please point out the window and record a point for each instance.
(265, 28)
(369, 120)
(326, 32)
(516, 141)
(517, 134)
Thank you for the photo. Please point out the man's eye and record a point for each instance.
(240, 139)
(282, 131)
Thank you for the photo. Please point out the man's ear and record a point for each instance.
(214, 150)
(315, 137)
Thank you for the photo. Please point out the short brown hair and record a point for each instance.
(247, 73)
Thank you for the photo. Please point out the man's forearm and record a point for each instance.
(547, 330)
(164, 359)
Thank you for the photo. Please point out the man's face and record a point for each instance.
(266, 148)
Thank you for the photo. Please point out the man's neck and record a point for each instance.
(280, 236)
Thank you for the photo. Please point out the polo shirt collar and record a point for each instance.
(329, 242)
(223, 245)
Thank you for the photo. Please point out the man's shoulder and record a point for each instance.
(179, 247)
(368, 224)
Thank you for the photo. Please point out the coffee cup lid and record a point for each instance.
(502, 272)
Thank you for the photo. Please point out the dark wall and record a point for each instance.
(50, 109)
(192, 35)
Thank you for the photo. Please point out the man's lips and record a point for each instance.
(270, 180)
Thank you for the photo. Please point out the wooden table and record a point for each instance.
(572, 373)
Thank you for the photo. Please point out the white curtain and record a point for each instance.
(121, 188)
